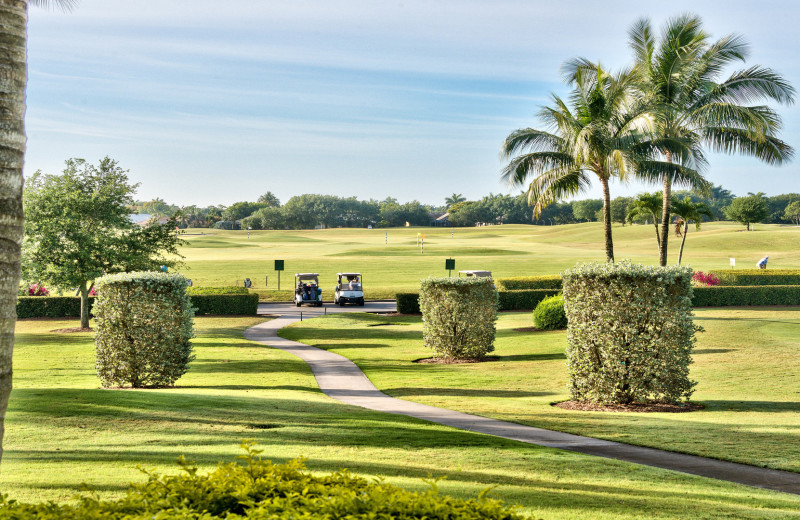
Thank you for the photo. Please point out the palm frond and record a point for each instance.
(767, 148)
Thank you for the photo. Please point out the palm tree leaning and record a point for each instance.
(13, 61)
(647, 205)
(686, 211)
(597, 133)
(691, 108)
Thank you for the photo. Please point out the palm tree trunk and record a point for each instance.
(14, 16)
(607, 221)
(667, 194)
(658, 237)
(683, 241)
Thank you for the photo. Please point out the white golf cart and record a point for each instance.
(477, 274)
(307, 290)
(348, 289)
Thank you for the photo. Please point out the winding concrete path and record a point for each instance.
(341, 379)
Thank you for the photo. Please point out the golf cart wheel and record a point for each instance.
(361, 302)
(297, 303)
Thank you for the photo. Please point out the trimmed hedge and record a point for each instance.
(255, 488)
(740, 277)
(549, 314)
(724, 296)
(408, 303)
(50, 306)
(232, 289)
(524, 300)
(225, 304)
(518, 283)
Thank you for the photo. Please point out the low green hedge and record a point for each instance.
(50, 307)
(225, 304)
(233, 289)
(408, 303)
(518, 283)
(724, 296)
(740, 277)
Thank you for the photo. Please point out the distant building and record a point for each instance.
(442, 220)
(140, 218)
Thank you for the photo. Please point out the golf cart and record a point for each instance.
(306, 289)
(477, 274)
(348, 289)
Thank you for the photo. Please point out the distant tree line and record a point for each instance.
(311, 210)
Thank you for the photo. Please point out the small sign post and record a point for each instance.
(279, 268)
(733, 263)
(450, 264)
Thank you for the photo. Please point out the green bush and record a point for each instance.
(758, 276)
(232, 289)
(408, 303)
(518, 283)
(549, 314)
(226, 304)
(259, 489)
(458, 316)
(630, 332)
(722, 296)
(50, 307)
(143, 329)
(523, 300)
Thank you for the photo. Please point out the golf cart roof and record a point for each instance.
(348, 274)
(480, 274)
(307, 276)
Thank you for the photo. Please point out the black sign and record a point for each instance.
(279, 265)
(450, 264)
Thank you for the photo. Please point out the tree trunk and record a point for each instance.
(683, 241)
(84, 288)
(667, 194)
(13, 76)
(658, 237)
(607, 221)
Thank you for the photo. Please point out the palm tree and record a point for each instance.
(596, 133)
(646, 205)
(679, 73)
(455, 198)
(13, 62)
(686, 211)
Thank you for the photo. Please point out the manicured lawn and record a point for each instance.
(62, 430)
(747, 365)
(220, 257)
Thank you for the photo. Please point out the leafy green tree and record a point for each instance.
(748, 210)
(157, 208)
(78, 229)
(646, 206)
(619, 209)
(595, 133)
(792, 212)
(270, 200)
(688, 211)
(679, 74)
(240, 210)
(587, 209)
(777, 207)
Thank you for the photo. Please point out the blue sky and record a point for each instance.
(210, 102)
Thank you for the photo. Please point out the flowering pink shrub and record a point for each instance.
(707, 279)
(36, 289)
(93, 291)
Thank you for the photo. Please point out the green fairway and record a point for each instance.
(747, 365)
(62, 430)
(226, 257)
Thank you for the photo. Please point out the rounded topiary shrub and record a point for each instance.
(630, 332)
(143, 329)
(458, 316)
(549, 314)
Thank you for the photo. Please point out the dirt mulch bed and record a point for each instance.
(72, 329)
(633, 407)
(451, 361)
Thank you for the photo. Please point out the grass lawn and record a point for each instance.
(747, 365)
(218, 257)
(63, 430)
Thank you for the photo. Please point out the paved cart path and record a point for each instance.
(341, 379)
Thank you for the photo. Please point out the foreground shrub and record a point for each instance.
(260, 489)
(630, 332)
(408, 303)
(517, 283)
(458, 316)
(705, 279)
(759, 277)
(549, 314)
(722, 296)
(143, 331)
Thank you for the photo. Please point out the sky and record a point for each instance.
(210, 102)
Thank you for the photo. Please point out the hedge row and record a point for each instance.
(518, 283)
(232, 289)
(724, 296)
(741, 277)
(408, 303)
(70, 307)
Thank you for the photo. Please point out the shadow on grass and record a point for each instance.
(466, 392)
